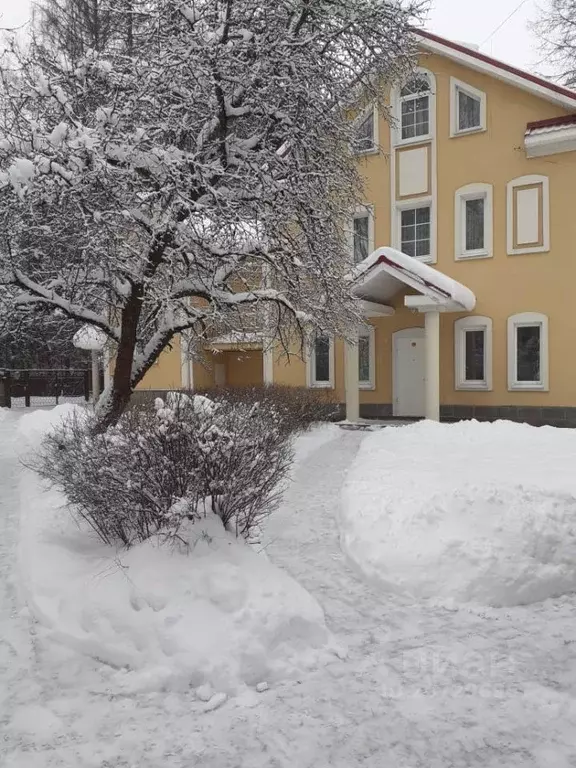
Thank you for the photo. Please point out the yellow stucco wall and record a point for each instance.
(504, 285)
(244, 368)
(166, 373)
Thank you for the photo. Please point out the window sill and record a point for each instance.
(424, 259)
(367, 387)
(473, 255)
(364, 152)
(467, 132)
(416, 140)
(524, 251)
(321, 385)
(469, 386)
(529, 386)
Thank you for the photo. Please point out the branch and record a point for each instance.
(41, 295)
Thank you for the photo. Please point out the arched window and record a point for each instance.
(415, 107)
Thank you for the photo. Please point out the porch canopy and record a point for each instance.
(376, 281)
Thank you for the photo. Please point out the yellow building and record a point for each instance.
(465, 252)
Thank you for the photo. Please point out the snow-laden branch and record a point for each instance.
(37, 294)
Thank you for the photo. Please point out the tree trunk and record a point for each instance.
(116, 396)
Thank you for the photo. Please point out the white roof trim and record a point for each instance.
(550, 140)
(480, 65)
(440, 290)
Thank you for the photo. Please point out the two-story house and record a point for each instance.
(465, 253)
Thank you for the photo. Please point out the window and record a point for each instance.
(415, 108)
(366, 361)
(528, 215)
(366, 139)
(528, 351)
(415, 232)
(473, 220)
(361, 235)
(467, 108)
(321, 362)
(473, 353)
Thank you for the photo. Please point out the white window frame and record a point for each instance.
(370, 332)
(406, 205)
(375, 148)
(397, 100)
(461, 327)
(473, 192)
(361, 212)
(523, 181)
(455, 87)
(526, 319)
(311, 365)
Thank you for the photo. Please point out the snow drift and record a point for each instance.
(212, 614)
(470, 512)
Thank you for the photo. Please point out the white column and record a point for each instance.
(185, 364)
(432, 334)
(95, 376)
(268, 363)
(352, 382)
(107, 362)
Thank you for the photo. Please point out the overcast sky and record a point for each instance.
(463, 20)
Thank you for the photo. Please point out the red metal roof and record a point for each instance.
(550, 122)
(499, 64)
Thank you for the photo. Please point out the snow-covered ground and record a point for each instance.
(468, 512)
(209, 613)
(421, 685)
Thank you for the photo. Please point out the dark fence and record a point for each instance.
(37, 387)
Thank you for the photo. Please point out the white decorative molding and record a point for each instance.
(528, 319)
(371, 334)
(413, 171)
(528, 215)
(473, 192)
(461, 327)
(311, 367)
(457, 86)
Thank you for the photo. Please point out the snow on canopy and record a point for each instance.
(398, 264)
(89, 338)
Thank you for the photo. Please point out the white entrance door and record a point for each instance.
(409, 372)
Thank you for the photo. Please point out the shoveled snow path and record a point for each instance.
(421, 687)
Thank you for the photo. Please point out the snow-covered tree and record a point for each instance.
(556, 31)
(148, 194)
(75, 27)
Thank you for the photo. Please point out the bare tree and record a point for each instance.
(75, 27)
(142, 193)
(556, 32)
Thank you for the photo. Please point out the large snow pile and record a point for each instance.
(470, 512)
(212, 614)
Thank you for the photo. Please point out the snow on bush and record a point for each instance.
(470, 512)
(163, 465)
(297, 409)
(207, 612)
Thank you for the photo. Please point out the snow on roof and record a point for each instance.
(551, 125)
(428, 280)
(235, 337)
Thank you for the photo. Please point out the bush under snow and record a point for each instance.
(470, 512)
(162, 465)
(213, 615)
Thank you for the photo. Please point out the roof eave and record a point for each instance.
(500, 70)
